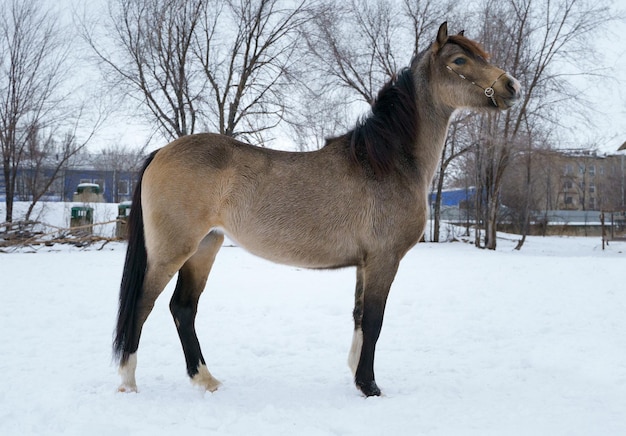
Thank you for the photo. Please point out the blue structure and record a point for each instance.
(116, 186)
(458, 197)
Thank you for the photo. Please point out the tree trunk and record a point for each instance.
(8, 217)
(527, 199)
(479, 216)
(9, 189)
(437, 207)
(491, 228)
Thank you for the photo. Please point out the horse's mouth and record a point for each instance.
(508, 102)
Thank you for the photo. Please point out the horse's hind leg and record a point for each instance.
(156, 278)
(373, 284)
(192, 278)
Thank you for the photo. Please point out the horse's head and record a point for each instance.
(463, 78)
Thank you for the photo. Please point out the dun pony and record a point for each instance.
(359, 201)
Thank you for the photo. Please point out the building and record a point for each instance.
(567, 180)
(116, 183)
(590, 181)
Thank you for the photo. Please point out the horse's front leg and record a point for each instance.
(372, 288)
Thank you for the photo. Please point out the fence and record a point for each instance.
(613, 226)
(542, 223)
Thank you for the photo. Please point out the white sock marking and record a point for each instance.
(205, 380)
(127, 372)
(355, 350)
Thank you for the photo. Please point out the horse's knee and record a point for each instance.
(184, 316)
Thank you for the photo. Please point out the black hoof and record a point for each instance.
(369, 389)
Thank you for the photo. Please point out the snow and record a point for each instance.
(475, 342)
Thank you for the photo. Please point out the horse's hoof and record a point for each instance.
(127, 388)
(369, 389)
(204, 379)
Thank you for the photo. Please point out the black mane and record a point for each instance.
(389, 133)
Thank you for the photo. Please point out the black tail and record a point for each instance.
(126, 340)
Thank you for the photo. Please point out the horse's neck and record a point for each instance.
(431, 138)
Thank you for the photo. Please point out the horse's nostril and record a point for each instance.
(512, 86)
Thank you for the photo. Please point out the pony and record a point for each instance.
(359, 201)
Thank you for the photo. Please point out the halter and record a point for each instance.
(489, 92)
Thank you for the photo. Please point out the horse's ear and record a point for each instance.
(462, 33)
(442, 37)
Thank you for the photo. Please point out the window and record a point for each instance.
(592, 170)
(568, 185)
(100, 182)
(592, 187)
(122, 187)
(569, 200)
(569, 169)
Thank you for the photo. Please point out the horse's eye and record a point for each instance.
(459, 61)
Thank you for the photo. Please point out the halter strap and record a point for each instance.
(489, 91)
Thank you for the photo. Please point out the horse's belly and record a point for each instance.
(319, 252)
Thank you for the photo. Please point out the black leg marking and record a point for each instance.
(184, 306)
(192, 278)
(371, 325)
(376, 282)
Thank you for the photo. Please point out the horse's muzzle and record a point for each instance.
(512, 91)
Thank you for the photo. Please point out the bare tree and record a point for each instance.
(191, 64)
(249, 51)
(322, 112)
(534, 41)
(33, 55)
(47, 155)
(121, 159)
(145, 53)
(425, 16)
(357, 44)
(457, 144)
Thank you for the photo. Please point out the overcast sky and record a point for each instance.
(609, 95)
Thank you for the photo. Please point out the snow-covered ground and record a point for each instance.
(474, 343)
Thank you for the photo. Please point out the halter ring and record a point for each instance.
(489, 92)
